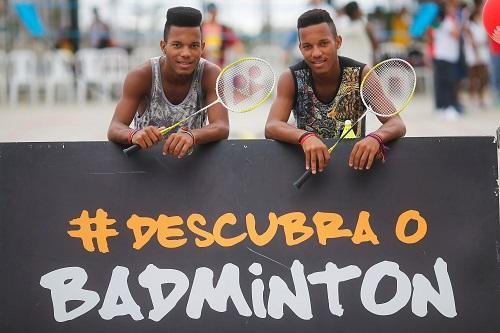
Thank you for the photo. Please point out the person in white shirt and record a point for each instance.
(359, 39)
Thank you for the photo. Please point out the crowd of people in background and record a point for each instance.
(459, 49)
(453, 45)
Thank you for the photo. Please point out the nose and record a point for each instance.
(316, 52)
(185, 52)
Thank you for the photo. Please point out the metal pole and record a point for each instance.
(6, 28)
(74, 28)
(266, 27)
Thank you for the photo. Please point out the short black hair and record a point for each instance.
(316, 16)
(181, 17)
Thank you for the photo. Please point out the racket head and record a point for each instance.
(388, 87)
(245, 84)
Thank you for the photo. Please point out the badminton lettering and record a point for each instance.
(91, 229)
(68, 284)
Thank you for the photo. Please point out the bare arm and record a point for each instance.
(218, 120)
(277, 127)
(136, 87)
(365, 150)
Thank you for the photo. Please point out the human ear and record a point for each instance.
(163, 45)
(338, 41)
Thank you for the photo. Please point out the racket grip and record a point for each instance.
(305, 176)
(132, 149)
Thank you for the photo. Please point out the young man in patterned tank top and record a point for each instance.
(323, 92)
(169, 88)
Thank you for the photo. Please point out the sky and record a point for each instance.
(243, 15)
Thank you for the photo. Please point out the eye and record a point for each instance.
(176, 45)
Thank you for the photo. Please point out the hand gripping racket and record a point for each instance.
(241, 86)
(385, 90)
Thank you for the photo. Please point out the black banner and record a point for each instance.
(93, 241)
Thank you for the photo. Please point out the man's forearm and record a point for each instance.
(210, 133)
(119, 133)
(392, 129)
(284, 132)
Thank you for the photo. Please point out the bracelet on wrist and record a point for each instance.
(185, 129)
(305, 136)
(382, 148)
(130, 135)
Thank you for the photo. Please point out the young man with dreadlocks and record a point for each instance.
(169, 88)
(323, 91)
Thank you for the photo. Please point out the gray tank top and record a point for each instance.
(157, 110)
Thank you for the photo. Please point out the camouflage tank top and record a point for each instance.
(327, 119)
(157, 110)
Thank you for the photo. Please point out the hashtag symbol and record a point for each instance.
(93, 228)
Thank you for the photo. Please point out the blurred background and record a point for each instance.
(63, 62)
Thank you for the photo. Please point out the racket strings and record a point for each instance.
(388, 88)
(245, 85)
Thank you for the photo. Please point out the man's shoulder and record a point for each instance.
(210, 73)
(210, 67)
(143, 70)
(349, 62)
(286, 83)
(139, 78)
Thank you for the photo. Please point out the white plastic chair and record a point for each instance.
(3, 77)
(23, 71)
(115, 66)
(58, 74)
(90, 73)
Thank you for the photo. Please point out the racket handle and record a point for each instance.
(132, 149)
(305, 176)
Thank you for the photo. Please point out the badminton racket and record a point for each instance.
(385, 90)
(241, 86)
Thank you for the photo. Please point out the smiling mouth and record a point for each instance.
(320, 62)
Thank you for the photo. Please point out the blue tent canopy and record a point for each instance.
(425, 15)
(29, 17)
